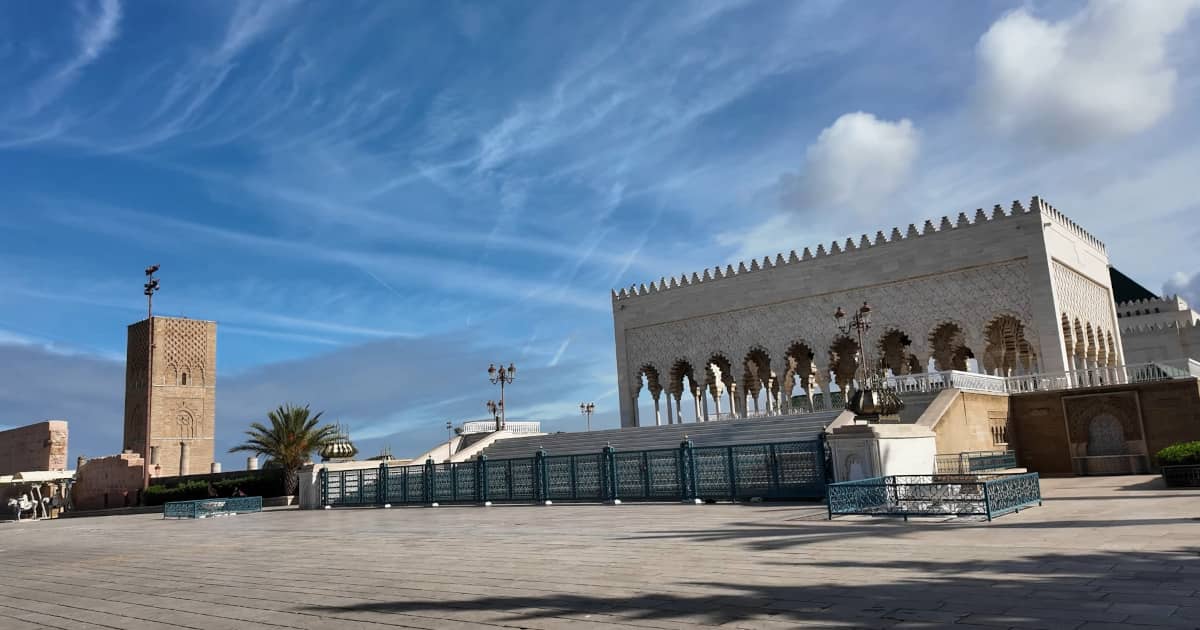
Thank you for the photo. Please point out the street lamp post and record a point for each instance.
(587, 409)
(872, 401)
(449, 439)
(149, 289)
(860, 323)
(503, 376)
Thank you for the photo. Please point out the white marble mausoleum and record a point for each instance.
(1006, 292)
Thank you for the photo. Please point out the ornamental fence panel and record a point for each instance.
(987, 495)
(785, 470)
(203, 508)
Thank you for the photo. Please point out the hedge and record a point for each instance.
(1181, 454)
(263, 483)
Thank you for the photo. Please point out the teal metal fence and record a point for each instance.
(988, 495)
(202, 508)
(786, 470)
(975, 461)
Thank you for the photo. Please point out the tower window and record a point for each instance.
(183, 378)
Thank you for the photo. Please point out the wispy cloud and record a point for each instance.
(96, 31)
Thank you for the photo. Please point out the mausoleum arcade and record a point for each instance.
(1001, 292)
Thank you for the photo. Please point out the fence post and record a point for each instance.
(427, 487)
(453, 480)
(687, 472)
(324, 487)
(574, 478)
(481, 489)
(987, 501)
(773, 489)
(645, 475)
(608, 464)
(381, 485)
(540, 493)
(732, 468)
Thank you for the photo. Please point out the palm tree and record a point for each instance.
(289, 442)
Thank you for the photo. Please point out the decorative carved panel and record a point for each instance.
(971, 298)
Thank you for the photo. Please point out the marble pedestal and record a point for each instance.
(880, 450)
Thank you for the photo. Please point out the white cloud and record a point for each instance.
(1185, 286)
(1101, 73)
(855, 164)
(95, 34)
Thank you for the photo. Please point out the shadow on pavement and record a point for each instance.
(1057, 590)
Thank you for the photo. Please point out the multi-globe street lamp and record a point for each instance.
(872, 401)
(860, 323)
(502, 376)
(587, 409)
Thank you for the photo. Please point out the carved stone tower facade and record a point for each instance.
(182, 403)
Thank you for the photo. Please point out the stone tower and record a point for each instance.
(183, 420)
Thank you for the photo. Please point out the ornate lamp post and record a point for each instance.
(503, 376)
(149, 289)
(587, 409)
(872, 401)
(495, 408)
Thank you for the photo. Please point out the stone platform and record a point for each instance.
(1102, 553)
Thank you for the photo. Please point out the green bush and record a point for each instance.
(261, 483)
(1180, 454)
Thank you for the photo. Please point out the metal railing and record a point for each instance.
(202, 508)
(935, 495)
(974, 461)
(1100, 376)
(488, 426)
(784, 470)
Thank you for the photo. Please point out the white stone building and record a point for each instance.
(1019, 291)
(1159, 330)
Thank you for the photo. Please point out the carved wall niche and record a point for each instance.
(1104, 425)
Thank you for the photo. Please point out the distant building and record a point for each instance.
(183, 403)
(1159, 329)
(40, 446)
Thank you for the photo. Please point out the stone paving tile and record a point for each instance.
(1127, 558)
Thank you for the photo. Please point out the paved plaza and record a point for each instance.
(1102, 552)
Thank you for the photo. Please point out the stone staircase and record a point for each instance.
(716, 433)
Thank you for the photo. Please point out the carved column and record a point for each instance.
(183, 458)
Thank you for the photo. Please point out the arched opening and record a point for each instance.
(843, 361)
(759, 383)
(801, 368)
(720, 386)
(683, 382)
(1007, 351)
(1080, 359)
(894, 353)
(183, 378)
(648, 410)
(950, 351)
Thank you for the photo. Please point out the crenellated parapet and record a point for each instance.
(864, 242)
(1137, 308)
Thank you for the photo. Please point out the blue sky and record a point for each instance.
(375, 200)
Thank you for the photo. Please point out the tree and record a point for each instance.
(289, 442)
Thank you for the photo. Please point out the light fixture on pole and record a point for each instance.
(149, 289)
(495, 408)
(449, 439)
(872, 400)
(587, 409)
(503, 376)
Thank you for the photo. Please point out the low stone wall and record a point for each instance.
(108, 482)
(1056, 430)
